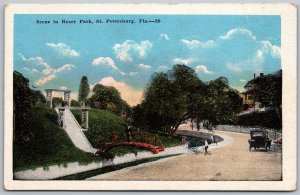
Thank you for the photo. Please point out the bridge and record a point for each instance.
(146, 141)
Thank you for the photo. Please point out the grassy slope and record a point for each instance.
(102, 123)
(50, 144)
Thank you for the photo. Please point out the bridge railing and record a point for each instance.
(132, 137)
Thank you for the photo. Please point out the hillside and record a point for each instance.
(103, 123)
(50, 144)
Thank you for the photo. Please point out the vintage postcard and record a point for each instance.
(150, 97)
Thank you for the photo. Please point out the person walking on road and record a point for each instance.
(198, 124)
(206, 147)
(192, 125)
(213, 139)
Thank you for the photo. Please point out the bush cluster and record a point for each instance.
(267, 119)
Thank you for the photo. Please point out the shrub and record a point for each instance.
(268, 119)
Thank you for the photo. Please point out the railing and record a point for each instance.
(240, 129)
(139, 140)
(132, 137)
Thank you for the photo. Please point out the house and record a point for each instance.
(249, 102)
(248, 95)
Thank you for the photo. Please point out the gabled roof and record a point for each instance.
(278, 73)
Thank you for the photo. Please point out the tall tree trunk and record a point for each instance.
(175, 127)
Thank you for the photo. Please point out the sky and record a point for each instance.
(125, 55)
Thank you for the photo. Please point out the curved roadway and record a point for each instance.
(232, 161)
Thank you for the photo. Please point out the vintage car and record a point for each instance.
(259, 139)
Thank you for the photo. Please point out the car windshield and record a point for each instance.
(258, 134)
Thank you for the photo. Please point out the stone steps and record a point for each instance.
(75, 132)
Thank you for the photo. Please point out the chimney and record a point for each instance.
(254, 75)
(261, 74)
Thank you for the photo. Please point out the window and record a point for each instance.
(258, 134)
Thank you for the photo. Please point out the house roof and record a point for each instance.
(278, 73)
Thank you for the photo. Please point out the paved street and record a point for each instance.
(231, 162)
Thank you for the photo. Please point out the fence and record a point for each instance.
(240, 129)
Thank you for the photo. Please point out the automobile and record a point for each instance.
(259, 139)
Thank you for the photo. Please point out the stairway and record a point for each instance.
(75, 132)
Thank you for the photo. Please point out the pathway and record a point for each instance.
(75, 132)
(231, 162)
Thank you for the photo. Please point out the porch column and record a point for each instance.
(67, 97)
(49, 98)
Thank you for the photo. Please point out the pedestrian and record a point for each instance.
(213, 139)
(206, 147)
(128, 131)
(183, 140)
(192, 125)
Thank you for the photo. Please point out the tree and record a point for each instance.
(200, 103)
(75, 103)
(215, 102)
(23, 101)
(84, 90)
(37, 96)
(139, 117)
(268, 91)
(173, 97)
(160, 104)
(226, 102)
(167, 96)
(123, 106)
(56, 101)
(233, 106)
(106, 97)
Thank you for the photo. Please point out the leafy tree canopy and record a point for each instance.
(38, 96)
(57, 101)
(75, 103)
(173, 97)
(23, 101)
(268, 91)
(108, 98)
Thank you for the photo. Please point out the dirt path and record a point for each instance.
(231, 162)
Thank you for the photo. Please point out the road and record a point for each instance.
(231, 162)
